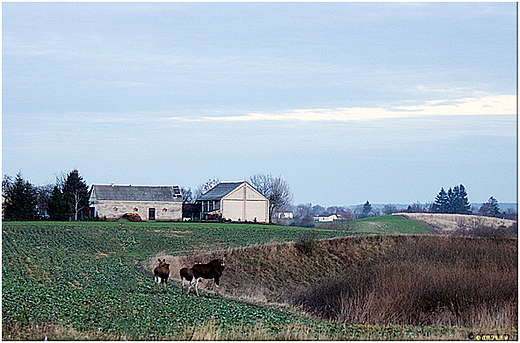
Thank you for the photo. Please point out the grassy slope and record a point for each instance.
(84, 275)
(389, 225)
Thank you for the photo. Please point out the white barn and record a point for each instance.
(160, 203)
(236, 201)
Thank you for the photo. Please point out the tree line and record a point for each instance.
(66, 199)
(453, 201)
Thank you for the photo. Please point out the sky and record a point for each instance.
(347, 102)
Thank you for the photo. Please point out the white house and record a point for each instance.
(236, 201)
(161, 203)
(326, 218)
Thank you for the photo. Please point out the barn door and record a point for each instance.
(151, 214)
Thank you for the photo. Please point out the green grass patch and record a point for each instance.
(390, 224)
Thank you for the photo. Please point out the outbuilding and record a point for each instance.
(235, 201)
(160, 203)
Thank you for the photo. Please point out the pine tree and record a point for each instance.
(490, 208)
(57, 207)
(367, 208)
(451, 201)
(75, 193)
(442, 202)
(20, 199)
(462, 205)
(458, 200)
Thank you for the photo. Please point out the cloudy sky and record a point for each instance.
(348, 102)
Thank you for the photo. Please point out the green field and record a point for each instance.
(389, 225)
(84, 276)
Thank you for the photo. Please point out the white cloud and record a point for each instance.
(485, 105)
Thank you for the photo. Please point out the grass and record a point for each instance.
(82, 281)
(390, 224)
(84, 276)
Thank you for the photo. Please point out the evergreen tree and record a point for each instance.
(367, 208)
(20, 199)
(75, 193)
(451, 201)
(442, 202)
(57, 207)
(490, 208)
(461, 204)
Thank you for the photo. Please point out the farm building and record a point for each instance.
(236, 201)
(161, 203)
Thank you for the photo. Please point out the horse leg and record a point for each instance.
(216, 282)
(191, 285)
(197, 287)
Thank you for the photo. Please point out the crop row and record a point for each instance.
(86, 276)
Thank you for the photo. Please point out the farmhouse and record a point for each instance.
(161, 203)
(236, 201)
(326, 218)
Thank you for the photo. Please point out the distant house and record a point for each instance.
(236, 201)
(326, 218)
(284, 215)
(161, 203)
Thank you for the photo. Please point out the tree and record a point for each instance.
(75, 193)
(205, 187)
(490, 208)
(442, 202)
(20, 199)
(304, 215)
(43, 197)
(459, 202)
(389, 209)
(275, 189)
(366, 209)
(57, 207)
(187, 195)
(455, 201)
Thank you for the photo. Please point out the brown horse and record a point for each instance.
(162, 272)
(186, 274)
(212, 270)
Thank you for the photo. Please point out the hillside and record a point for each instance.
(406, 280)
(86, 281)
(449, 223)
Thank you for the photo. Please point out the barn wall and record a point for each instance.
(164, 211)
(247, 204)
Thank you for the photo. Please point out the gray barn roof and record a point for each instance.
(137, 193)
(220, 191)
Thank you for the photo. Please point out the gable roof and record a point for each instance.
(137, 193)
(220, 190)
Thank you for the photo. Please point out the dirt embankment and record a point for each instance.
(409, 280)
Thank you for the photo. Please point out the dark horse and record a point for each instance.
(186, 274)
(162, 272)
(212, 270)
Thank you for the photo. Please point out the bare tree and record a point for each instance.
(205, 187)
(275, 189)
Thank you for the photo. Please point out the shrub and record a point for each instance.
(132, 217)
(423, 281)
(307, 242)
